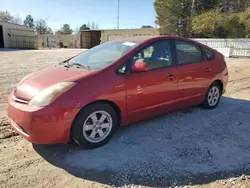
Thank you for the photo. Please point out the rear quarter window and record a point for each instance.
(209, 53)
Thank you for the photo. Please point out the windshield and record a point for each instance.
(103, 55)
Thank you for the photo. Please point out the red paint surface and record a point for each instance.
(138, 95)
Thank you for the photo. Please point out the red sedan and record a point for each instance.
(87, 97)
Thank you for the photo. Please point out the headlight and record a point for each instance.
(48, 95)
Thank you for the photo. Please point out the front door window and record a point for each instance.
(156, 55)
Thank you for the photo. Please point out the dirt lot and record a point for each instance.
(188, 148)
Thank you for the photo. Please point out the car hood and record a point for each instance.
(39, 81)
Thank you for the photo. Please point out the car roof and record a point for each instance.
(142, 39)
(146, 38)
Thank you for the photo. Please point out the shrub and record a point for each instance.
(215, 24)
(208, 24)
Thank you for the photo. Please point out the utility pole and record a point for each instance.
(118, 15)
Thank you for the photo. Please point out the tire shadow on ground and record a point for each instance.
(190, 146)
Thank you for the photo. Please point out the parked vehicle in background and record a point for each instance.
(88, 97)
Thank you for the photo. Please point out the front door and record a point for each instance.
(193, 70)
(152, 92)
(1, 37)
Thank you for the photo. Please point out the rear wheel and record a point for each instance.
(213, 96)
(95, 125)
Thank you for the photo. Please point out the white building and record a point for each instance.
(16, 36)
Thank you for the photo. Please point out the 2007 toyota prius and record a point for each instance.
(88, 97)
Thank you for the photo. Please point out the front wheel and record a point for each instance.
(94, 125)
(212, 97)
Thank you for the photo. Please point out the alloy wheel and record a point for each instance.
(97, 126)
(213, 96)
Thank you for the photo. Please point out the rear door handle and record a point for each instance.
(119, 86)
(171, 77)
(208, 69)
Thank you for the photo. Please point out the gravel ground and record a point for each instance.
(188, 148)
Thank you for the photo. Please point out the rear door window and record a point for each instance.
(188, 53)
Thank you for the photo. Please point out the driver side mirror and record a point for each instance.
(140, 67)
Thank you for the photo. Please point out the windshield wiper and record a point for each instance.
(80, 65)
(65, 64)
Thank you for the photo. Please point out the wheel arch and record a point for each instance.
(220, 84)
(112, 104)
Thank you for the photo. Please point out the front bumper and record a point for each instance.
(43, 125)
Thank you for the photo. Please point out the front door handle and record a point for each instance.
(208, 69)
(170, 77)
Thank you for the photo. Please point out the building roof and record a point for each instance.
(3, 22)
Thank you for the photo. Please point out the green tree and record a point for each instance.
(245, 20)
(41, 27)
(208, 24)
(65, 30)
(207, 18)
(201, 6)
(233, 5)
(29, 21)
(217, 24)
(233, 27)
(173, 16)
(84, 27)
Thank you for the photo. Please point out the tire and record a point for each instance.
(212, 97)
(94, 125)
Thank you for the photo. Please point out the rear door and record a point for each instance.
(194, 71)
(152, 92)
